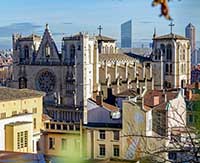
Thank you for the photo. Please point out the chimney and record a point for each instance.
(188, 94)
(197, 85)
(99, 99)
(165, 97)
(156, 100)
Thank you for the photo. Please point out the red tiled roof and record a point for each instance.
(149, 97)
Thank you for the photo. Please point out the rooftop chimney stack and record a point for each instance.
(99, 99)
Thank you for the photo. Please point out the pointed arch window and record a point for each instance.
(72, 54)
(22, 83)
(162, 48)
(167, 69)
(47, 50)
(169, 52)
(106, 49)
(111, 49)
(26, 52)
(183, 54)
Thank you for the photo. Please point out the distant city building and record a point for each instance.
(190, 34)
(126, 34)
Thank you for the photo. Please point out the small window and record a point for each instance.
(64, 127)
(116, 150)
(77, 127)
(102, 134)
(14, 113)
(34, 123)
(2, 115)
(58, 127)
(26, 139)
(22, 139)
(102, 150)
(18, 140)
(71, 127)
(47, 125)
(34, 110)
(52, 126)
(52, 143)
(25, 111)
(115, 135)
(38, 146)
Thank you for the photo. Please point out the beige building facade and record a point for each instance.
(171, 61)
(20, 112)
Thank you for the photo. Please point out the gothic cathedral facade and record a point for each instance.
(68, 77)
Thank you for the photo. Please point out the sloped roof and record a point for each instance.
(171, 36)
(128, 92)
(100, 116)
(115, 57)
(48, 38)
(104, 38)
(7, 94)
(169, 95)
(30, 38)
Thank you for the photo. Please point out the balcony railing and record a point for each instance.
(62, 127)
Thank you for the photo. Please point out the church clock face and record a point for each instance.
(46, 81)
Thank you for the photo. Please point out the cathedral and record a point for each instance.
(84, 66)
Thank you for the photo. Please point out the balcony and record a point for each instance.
(62, 127)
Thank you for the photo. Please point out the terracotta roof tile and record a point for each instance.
(149, 97)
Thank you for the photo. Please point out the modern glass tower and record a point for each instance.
(126, 34)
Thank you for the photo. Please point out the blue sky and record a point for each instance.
(71, 16)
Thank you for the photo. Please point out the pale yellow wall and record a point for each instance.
(73, 144)
(9, 141)
(26, 104)
(11, 137)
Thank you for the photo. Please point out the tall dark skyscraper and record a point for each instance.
(126, 34)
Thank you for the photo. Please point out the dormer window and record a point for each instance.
(47, 50)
